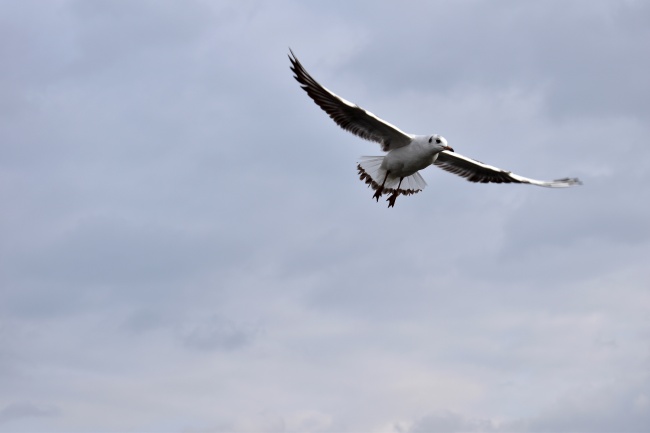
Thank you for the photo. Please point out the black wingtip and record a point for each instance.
(295, 64)
(299, 72)
(570, 181)
(292, 57)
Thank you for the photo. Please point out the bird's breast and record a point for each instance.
(406, 160)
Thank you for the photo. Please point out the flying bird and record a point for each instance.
(397, 173)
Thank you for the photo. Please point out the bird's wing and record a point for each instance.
(476, 171)
(347, 115)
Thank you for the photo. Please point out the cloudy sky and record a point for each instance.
(186, 247)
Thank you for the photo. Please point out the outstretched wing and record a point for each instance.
(347, 115)
(476, 171)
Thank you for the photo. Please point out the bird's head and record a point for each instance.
(439, 143)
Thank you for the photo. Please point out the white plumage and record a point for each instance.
(396, 173)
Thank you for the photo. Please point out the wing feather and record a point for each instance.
(347, 115)
(476, 171)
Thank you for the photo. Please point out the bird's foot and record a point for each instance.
(391, 199)
(378, 193)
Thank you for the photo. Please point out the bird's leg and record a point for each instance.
(393, 196)
(380, 190)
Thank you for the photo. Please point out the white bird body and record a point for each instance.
(406, 160)
(397, 173)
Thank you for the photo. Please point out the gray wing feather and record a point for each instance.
(476, 171)
(347, 115)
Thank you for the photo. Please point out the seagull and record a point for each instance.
(397, 172)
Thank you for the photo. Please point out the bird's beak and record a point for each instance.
(449, 148)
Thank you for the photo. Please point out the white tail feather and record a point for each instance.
(370, 172)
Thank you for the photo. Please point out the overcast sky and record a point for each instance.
(185, 245)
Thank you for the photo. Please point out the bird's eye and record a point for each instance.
(437, 141)
(430, 138)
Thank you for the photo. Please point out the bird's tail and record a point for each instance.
(370, 172)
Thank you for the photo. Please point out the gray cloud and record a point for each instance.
(186, 245)
(448, 422)
(16, 411)
(613, 408)
(216, 333)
